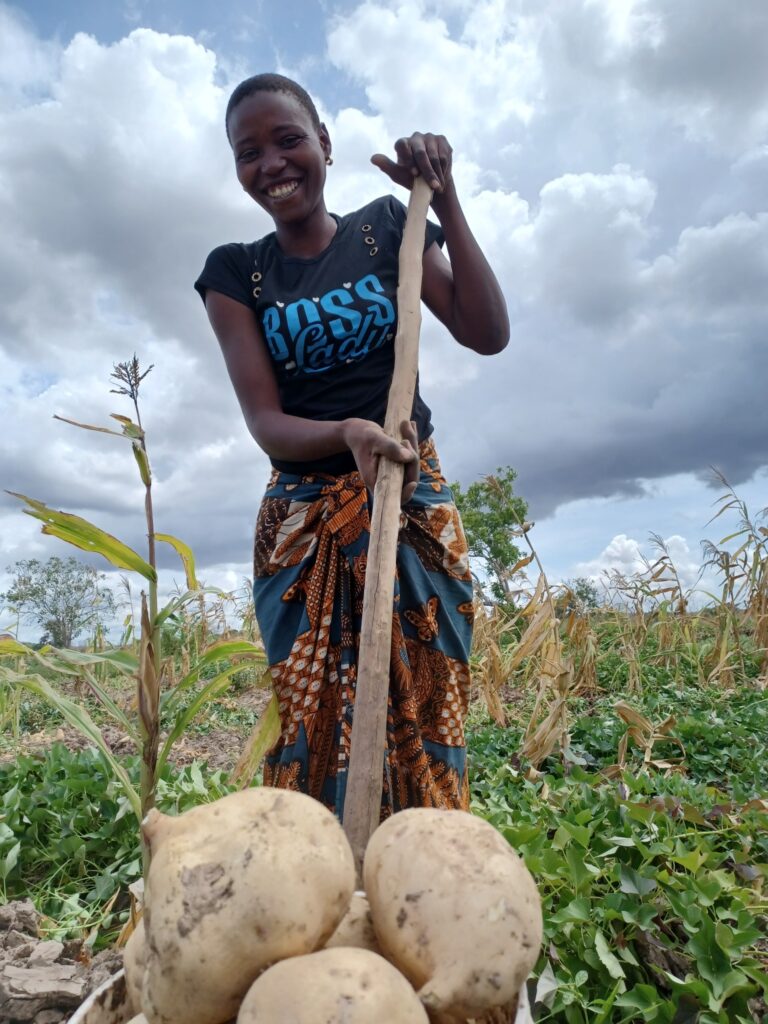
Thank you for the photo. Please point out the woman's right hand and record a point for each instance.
(422, 153)
(368, 442)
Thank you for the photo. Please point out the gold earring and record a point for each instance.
(329, 160)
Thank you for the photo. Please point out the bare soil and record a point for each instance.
(219, 747)
(44, 981)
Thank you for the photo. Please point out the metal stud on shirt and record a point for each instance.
(256, 277)
(369, 240)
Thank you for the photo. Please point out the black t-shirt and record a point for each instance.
(328, 322)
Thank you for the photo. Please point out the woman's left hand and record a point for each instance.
(422, 153)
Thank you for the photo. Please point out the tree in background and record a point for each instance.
(494, 518)
(62, 595)
(584, 596)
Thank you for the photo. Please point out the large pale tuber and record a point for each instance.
(454, 908)
(333, 986)
(356, 927)
(134, 962)
(234, 886)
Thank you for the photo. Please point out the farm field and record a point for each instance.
(619, 742)
(644, 823)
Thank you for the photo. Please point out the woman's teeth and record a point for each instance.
(281, 191)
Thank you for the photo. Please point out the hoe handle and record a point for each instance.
(362, 806)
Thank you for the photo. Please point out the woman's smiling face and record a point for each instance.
(279, 154)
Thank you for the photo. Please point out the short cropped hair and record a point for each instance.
(271, 83)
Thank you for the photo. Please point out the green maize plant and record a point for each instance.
(207, 674)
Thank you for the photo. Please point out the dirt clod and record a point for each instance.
(43, 981)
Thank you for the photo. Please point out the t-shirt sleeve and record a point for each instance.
(434, 232)
(226, 271)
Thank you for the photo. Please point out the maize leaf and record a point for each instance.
(185, 553)
(264, 736)
(177, 603)
(84, 535)
(130, 429)
(210, 691)
(142, 461)
(10, 646)
(87, 426)
(216, 652)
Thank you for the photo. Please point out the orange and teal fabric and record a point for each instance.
(310, 557)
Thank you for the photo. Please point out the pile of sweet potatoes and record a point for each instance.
(251, 915)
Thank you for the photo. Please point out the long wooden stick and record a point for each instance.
(362, 806)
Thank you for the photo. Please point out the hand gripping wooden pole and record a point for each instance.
(362, 805)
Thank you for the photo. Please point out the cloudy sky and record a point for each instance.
(613, 160)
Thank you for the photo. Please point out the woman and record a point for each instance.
(306, 319)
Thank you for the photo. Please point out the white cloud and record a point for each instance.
(586, 241)
(621, 554)
(708, 63)
(628, 557)
(614, 175)
(491, 67)
(701, 67)
(716, 269)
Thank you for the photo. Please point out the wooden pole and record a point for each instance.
(362, 806)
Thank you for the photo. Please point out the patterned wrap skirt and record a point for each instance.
(310, 557)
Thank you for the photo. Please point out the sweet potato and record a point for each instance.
(134, 962)
(356, 927)
(234, 886)
(333, 986)
(454, 908)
